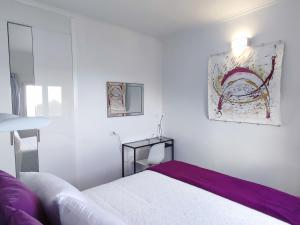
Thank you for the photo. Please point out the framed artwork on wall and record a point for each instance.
(125, 99)
(116, 98)
(246, 88)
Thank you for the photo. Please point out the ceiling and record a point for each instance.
(159, 17)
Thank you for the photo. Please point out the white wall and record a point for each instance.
(104, 53)
(264, 154)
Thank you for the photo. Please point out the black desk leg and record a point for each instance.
(123, 172)
(173, 150)
(134, 160)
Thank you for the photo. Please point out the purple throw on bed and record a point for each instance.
(272, 202)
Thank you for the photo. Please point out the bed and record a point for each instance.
(172, 193)
(150, 198)
(179, 193)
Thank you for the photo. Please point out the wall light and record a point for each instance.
(239, 45)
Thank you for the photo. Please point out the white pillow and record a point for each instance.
(47, 187)
(77, 212)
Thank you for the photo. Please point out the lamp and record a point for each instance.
(239, 45)
(160, 131)
(11, 123)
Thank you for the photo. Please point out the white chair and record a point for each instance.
(156, 156)
(25, 153)
(25, 144)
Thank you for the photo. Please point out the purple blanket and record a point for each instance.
(274, 203)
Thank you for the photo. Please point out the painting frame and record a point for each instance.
(246, 88)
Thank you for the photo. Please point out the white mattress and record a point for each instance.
(150, 198)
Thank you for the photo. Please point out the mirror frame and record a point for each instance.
(112, 115)
(13, 137)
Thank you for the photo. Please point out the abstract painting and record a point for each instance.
(246, 88)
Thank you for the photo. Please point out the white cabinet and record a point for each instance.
(7, 160)
(54, 73)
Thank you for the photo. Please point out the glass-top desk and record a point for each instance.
(169, 142)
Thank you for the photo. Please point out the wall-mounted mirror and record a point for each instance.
(24, 94)
(21, 65)
(125, 99)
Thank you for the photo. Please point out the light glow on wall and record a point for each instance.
(54, 101)
(34, 100)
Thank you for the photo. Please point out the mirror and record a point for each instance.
(125, 99)
(23, 94)
(21, 65)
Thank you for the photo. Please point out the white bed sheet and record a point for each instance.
(150, 198)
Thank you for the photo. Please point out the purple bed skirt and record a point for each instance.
(272, 202)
